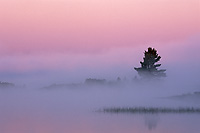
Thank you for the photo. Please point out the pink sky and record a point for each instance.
(32, 26)
(71, 34)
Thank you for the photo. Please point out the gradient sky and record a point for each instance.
(66, 38)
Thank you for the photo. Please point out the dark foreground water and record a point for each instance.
(74, 111)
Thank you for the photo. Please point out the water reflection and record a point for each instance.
(151, 121)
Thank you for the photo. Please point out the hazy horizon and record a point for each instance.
(65, 41)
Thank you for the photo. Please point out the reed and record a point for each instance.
(150, 110)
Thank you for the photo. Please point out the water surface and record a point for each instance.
(74, 110)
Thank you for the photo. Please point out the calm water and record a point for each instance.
(73, 111)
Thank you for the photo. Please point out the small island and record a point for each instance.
(6, 85)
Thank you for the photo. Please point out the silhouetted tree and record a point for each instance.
(148, 67)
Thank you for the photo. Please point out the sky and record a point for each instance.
(62, 41)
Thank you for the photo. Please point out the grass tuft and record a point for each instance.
(150, 110)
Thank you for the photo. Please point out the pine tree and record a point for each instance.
(148, 67)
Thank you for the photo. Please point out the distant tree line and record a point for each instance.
(6, 84)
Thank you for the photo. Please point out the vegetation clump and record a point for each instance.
(151, 110)
(6, 85)
(91, 81)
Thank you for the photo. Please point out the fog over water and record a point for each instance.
(35, 109)
(43, 110)
(73, 109)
